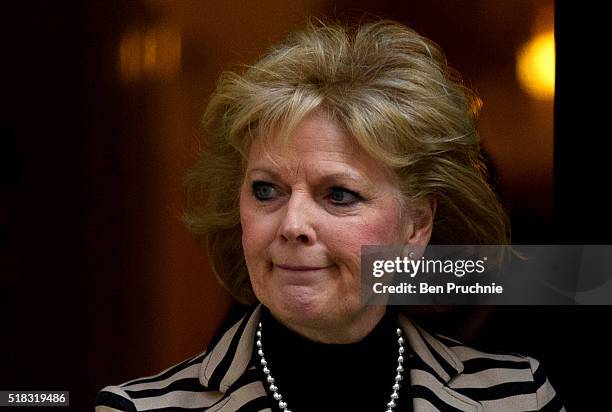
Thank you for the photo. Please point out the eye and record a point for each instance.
(343, 197)
(263, 190)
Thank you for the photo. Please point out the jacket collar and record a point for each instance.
(228, 359)
(438, 358)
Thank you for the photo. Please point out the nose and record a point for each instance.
(297, 224)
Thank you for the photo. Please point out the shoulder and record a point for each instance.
(178, 386)
(501, 380)
(220, 378)
(448, 372)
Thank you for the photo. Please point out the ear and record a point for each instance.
(419, 224)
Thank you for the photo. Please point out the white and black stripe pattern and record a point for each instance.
(445, 376)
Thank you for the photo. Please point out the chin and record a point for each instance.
(302, 305)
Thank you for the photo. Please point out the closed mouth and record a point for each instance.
(301, 268)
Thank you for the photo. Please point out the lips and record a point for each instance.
(301, 268)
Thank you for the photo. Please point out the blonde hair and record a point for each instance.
(392, 90)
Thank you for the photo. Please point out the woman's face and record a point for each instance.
(306, 210)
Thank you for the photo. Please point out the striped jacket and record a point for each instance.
(447, 376)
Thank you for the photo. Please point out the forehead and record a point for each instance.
(316, 143)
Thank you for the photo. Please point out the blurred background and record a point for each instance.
(101, 102)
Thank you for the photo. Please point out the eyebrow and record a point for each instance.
(332, 176)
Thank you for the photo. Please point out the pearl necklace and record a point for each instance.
(283, 405)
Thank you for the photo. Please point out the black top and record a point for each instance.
(346, 377)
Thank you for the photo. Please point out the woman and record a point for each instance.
(337, 138)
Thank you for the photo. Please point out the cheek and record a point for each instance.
(375, 228)
(380, 226)
(258, 230)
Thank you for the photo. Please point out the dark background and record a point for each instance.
(99, 282)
